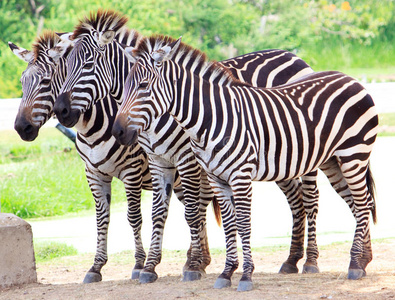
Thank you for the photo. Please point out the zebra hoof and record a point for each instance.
(222, 283)
(147, 277)
(244, 286)
(191, 276)
(288, 269)
(136, 274)
(355, 274)
(310, 269)
(91, 277)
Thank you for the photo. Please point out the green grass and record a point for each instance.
(373, 62)
(386, 124)
(45, 251)
(46, 177)
(387, 119)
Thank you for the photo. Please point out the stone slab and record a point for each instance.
(17, 261)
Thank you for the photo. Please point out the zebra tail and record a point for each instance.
(372, 190)
(217, 211)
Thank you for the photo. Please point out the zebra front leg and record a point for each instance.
(206, 196)
(133, 196)
(293, 193)
(101, 191)
(224, 195)
(310, 202)
(162, 184)
(190, 175)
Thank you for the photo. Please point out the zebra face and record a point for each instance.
(88, 81)
(146, 96)
(38, 91)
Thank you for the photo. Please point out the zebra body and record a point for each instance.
(103, 156)
(240, 133)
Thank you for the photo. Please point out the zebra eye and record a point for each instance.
(143, 85)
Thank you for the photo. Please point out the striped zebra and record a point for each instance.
(104, 158)
(166, 153)
(240, 133)
(262, 68)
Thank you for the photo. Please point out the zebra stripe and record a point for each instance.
(104, 158)
(240, 133)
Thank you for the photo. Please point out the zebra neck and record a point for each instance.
(96, 123)
(195, 111)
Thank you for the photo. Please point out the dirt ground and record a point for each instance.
(61, 278)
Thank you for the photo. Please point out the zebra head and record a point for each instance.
(92, 66)
(148, 94)
(41, 81)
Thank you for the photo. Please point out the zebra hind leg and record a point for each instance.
(357, 174)
(292, 191)
(332, 170)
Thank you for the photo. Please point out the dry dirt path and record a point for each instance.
(60, 278)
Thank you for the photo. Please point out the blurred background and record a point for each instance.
(356, 37)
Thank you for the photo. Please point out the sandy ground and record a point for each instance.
(61, 278)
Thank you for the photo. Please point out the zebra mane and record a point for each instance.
(101, 21)
(187, 55)
(47, 40)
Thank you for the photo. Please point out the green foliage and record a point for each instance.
(328, 34)
(45, 251)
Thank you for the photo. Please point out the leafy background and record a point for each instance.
(356, 36)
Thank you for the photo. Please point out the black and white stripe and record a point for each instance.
(240, 133)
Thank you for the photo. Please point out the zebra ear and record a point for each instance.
(22, 53)
(61, 48)
(106, 37)
(166, 52)
(129, 53)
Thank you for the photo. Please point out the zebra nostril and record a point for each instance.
(28, 129)
(65, 112)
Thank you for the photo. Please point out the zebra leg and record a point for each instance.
(310, 202)
(101, 191)
(242, 192)
(332, 170)
(292, 190)
(190, 171)
(206, 196)
(224, 195)
(162, 183)
(133, 196)
(356, 175)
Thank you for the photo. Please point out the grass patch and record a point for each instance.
(387, 119)
(45, 251)
(386, 124)
(46, 177)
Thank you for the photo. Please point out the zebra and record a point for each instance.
(241, 133)
(262, 68)
(104, 158)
